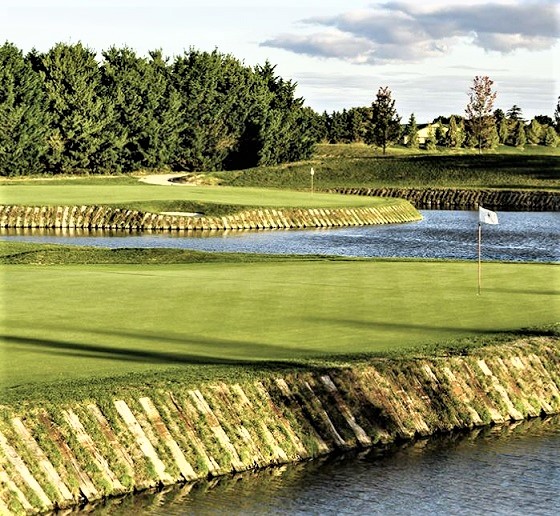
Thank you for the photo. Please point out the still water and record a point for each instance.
(520, 236)
(511, 470)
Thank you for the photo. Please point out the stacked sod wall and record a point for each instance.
(63, 454)
(463, 199)
(103, 217)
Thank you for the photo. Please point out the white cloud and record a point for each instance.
(399, 32)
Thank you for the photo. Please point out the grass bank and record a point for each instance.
(69, 328)
(358, 165)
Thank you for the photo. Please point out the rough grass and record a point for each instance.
(67, 329)
(340, 166)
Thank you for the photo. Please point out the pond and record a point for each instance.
(507, 470)
(520, 236)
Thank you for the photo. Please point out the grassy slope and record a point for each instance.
(361, 165)
(82, 323)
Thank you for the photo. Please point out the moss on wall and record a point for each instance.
(58, 456)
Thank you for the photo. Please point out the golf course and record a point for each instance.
(128, 368)
(77, 315)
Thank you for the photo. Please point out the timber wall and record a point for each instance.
(102, 217)
(60, 455)
(462, 199)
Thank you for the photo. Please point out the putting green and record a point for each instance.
(97, 321)
(110, 191)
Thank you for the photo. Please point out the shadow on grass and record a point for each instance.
(260, 352)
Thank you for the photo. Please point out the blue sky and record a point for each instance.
(338, 51)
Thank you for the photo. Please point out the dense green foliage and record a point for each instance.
(65, 112)
(89, 322)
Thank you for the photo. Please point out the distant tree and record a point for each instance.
(503, 131)
(455, 134)
(514, 113)
(550, 137)
(439, 134)
(499, 115)
(534, 132)
(385, 122)
(544, 120)
(23, 115)
(430, 143)
(411, 133)
(80, 134)
(518, 138)
(481, 124)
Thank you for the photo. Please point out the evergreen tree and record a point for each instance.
(411, 133)
(481, 124)
(23, 118)
(503, 131)
(550, 137)
(80, 137)
(455, 134)
(439, 134)
(430, 143)
(146, 107)
(514, 113)
(385, 122)
(534, 132)
(519, 139)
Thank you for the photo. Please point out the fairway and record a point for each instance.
(97, 321)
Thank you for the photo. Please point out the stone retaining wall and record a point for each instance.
(103, 217)
(61, 455)
(462, 199)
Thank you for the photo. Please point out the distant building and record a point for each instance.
(425, 131)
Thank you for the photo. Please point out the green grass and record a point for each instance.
(69, 328)
(338, 166)
(167, 198)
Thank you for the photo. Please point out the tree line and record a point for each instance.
(481, 127)
(65, 112)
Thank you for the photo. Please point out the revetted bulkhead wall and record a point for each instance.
(464, 199)
(62, 455)
(103, 217)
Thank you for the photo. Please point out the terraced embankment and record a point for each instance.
(103, 217)
(57, 455)
(464, 199)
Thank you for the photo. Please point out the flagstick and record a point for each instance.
(479, 253)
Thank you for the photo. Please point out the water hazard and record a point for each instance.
(509, 470)
(520, 236)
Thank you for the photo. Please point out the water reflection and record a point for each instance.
(511, 469)
(520, 236)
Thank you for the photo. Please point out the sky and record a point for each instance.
(339, 52)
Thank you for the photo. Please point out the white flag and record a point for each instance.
(487, 216)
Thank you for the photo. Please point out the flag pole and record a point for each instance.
(479, 254)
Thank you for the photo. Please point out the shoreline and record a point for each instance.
(60, 455)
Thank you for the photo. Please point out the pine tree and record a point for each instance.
(519, 139)
(385, 122)
(550, 137)
(481, 124)
(557, 116)
(411, 133)
(503, 131)
(455, 134)
(23, 117)
(80, 138)
(514, 113)
(534, 132)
